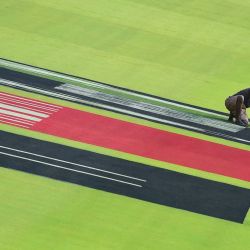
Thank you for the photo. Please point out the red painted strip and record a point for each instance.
(147, 142)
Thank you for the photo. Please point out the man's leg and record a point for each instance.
(231, 117)
(244, 117)
(235, 105)
(230, 104)
(239, 103)
(238, 109)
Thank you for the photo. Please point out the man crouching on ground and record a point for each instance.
(237, 105)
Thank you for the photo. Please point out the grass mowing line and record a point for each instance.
(123, 117)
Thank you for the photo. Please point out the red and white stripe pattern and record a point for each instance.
(24, 112)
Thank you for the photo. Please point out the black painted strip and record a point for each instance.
(162, 186)
(33, 80)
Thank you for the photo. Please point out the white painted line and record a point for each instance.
(32, 118)
(151, 108)
(26, 103)
(18, 119)
(99, 85)
(230, 137)
(25, 111)
(15, 124)
(73, 170)
(15, 120)
(31, 100)
(23, 107)
(94, 84)
(71, 163)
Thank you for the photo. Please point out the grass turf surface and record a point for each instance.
(56, 215)
(182, 50)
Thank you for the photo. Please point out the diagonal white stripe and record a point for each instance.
(22, 106)
(25, 111)
(73, 170)
(31, 118)
(15, 124)
(74, 164)
(10, 100)
(30, 100)
(18, 119)
(152, 108)
(15, 120)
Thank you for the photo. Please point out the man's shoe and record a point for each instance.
(245, 122)
(231, 117)
(240, 123)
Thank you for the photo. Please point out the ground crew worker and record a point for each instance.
(237, 105)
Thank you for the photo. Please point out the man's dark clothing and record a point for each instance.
(246, 94)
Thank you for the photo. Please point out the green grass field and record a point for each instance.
(191, 51)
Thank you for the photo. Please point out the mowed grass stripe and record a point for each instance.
(139, 40)
(172, 20)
